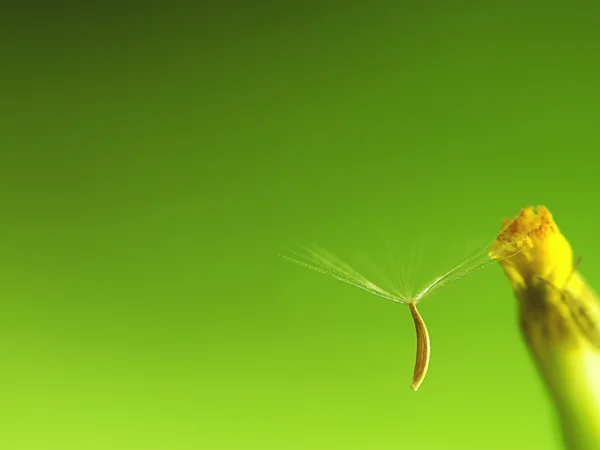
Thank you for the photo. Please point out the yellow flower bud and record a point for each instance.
(559, 316)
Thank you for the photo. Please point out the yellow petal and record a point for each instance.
(537, 249)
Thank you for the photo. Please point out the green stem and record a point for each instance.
(567, 360)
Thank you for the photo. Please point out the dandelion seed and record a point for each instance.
(322, 261)
(423, 348)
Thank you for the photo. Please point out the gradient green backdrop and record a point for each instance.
(155, 159)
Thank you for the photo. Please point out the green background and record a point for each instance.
(155, 159)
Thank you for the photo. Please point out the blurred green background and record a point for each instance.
(156, 158)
